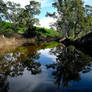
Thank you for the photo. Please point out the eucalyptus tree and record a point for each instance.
(8, 13)
(3, 12)
(88, 11)
(24, 16)
(6, 9)
(17, 15)
(3, 9)
(27, 17)
(13, 10)
(71, 16)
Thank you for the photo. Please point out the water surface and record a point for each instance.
(45, 67)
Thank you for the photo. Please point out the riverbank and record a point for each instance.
(16, 40)
(83, 44)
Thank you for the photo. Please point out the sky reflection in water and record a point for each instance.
(45, 69)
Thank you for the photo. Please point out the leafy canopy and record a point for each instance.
(12, 12)
(72, 17)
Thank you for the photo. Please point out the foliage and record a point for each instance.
(6, 27)
(47, 32)
(51, 44)
(22, 20)
(12, 12)
(72, 16)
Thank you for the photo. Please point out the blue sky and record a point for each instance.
(88, 2)
(46, 6)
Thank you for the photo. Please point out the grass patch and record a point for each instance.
(51, 44)
(6, 27)
(47, 32)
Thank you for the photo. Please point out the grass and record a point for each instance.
(47, 32)
(6, 27)
(51, 44)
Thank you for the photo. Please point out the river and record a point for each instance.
(45, 67)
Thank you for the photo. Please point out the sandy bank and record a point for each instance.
(6, 42)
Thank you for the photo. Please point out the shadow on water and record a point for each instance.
(50, 65)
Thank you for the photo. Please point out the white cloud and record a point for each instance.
(46, 22)
(21, 2)
(44, 3)
(46, 53)
(85, 0)
(88, 2)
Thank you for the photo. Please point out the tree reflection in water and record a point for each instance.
(69, 64)
(4, 84)
(14, 63)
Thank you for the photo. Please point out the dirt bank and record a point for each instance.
(13, 41)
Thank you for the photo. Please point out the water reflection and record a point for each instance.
(69, 63)
(28, 68)
(15, 62)
(4, 84)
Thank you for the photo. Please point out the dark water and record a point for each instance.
(47, 67)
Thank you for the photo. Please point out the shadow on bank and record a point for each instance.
(84, 44)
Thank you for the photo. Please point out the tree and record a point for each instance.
(3, 9)
(8, 13)
(27, 15)
(13, 10)
(71, 16)
(13, 13)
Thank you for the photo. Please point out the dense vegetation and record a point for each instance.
(74, 19)
(6, 28)
(20, 17)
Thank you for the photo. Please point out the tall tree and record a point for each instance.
(13, 13)
(27, 17)
(3, 9)
(71, 16)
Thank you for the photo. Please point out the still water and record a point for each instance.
(46, 67)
